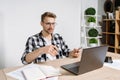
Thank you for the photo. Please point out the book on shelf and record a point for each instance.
(40, 73)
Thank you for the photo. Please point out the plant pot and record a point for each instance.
(91, 24)
(93, 45)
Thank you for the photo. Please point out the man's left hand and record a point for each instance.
(75, 52)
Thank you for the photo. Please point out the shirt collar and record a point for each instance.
(52, 40)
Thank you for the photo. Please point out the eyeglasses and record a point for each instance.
(49, 24)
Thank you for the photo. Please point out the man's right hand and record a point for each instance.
(51, 49)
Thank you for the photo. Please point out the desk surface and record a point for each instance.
(104, 73)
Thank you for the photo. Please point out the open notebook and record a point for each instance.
(35, 72)
(41, 72)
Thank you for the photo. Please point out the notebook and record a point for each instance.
(91, 59)
(40, 73)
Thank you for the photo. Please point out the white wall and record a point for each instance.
(20, 19)
(101, 7)
(2, 53)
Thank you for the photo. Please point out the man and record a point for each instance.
(46, 45)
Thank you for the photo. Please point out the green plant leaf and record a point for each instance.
(93, 32)
(93, 40)
(91, 19)
(90, 11)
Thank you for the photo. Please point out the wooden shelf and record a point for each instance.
(108, 33)
(111, 33)
(108, 19)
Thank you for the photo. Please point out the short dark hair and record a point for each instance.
(47, 14)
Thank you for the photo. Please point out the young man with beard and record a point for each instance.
(46, 45)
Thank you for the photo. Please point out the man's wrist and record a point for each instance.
(41, 50)
(71, 53)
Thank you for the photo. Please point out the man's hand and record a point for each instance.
(75, 52)
(51, 49)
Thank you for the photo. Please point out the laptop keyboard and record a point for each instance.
(73, 65)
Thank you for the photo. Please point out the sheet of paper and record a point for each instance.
(50, 71)
(114, 65)
(33, 73)
(53, 78)
(17, 74)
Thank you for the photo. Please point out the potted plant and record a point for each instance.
(90, 11)
(93, 42)
(91, 21)
(93, 32)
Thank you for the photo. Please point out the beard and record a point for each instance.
(49, 31)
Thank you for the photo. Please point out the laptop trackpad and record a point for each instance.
(74, 67)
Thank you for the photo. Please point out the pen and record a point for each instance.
(79, 49)
(55, 49)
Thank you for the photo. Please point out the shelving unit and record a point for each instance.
(84, 31)
(111, 33)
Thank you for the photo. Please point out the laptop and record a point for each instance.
(91, 59)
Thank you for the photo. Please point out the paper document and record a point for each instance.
(35, 72)
(114, 65)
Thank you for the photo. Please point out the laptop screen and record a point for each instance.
(91, 59)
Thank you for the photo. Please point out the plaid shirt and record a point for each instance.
(36, 41)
